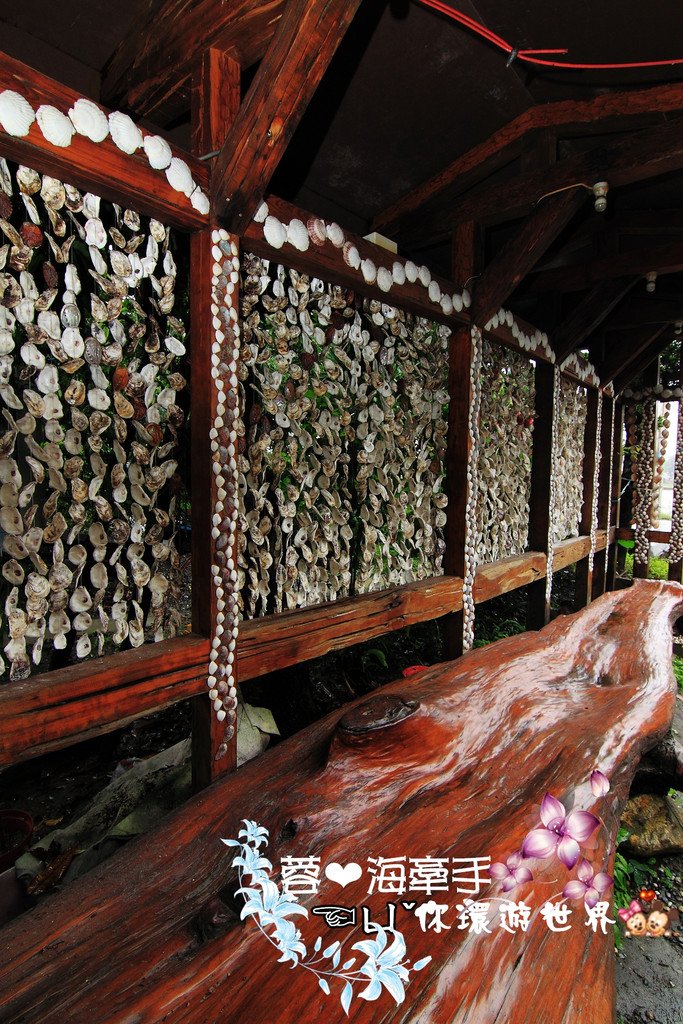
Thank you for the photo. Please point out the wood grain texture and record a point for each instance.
(305, 41)
(160, 49)
(99, 167)
(464, 776)
(522, 252)
(507, 142)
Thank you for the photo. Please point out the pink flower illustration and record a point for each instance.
(511, 873)
(587, 886)
(561, 832)
(599, 783)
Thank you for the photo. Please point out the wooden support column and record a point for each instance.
(617, 467)
(538, 609)
(584, 574)
(215, 103)
(464, 262)
(604, 498)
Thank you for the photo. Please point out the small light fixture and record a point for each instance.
(600, 190)
(651, 279)
(678, 327)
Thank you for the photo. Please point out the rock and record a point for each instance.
(662, 768)
(655, 825)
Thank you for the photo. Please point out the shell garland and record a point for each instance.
(567, 471)
(223, 438)
(506, 424)
(317, 231)
(584, 370)
(662, 444)
(554, 464)
(93, 381)
(87, 119)
(535, 344)
(342, 442)
(642, 503)
(596, 483)
(472, 491)
(658, 391)
(676, 545)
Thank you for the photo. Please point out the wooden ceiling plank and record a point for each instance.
(514, 261)
(625, 352)
(589, 314)
(665, 259)
(567, 115)
(160, 51)
(306, 40)
(98, 167)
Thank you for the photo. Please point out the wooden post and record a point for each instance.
(604, 497)
(538, 609)
(617, 466)
(465, 248)
(215, 103)
(584, 573)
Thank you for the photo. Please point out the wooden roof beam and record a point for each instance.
(522, 252)
(161, 49)
(589, 314)
(305, 42)
(665, 259)
(567, 116)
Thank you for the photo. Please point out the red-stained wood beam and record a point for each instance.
(215, 105)
(665, 259)
(305, 42)
(514, 261)
(504, 145)
(592, 311)
(160, 50)
(97, 167)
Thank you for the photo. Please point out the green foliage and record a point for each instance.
(499, 630)
(630, 875)
(657, 568)
(678, 671)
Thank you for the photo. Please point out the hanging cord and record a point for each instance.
(534, 56)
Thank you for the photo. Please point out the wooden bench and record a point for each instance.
(153, 935)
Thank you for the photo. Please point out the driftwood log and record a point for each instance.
(154, 934)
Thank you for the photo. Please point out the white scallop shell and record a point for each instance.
(447, 304)
(317, 231)
(434, 291)
(158, 152)
(384, 279)
(180, 177)
(16, 113)
(297, 235)
(457, 302)
(398, 272)
(335, 235)
(55, 126)
(200, 201)
(425, 275)
(369, 271)
(351, 256)
(261, 213)
(274, 232)
(410, 271)
(89, 120)
(95, 233)
(125, 134)
(466, 298)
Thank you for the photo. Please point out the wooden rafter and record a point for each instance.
(522, 252)
(589, 314)
(626, 350)
(665, 259)
(161, 49)
(645, 360)
(567, 116)
(304, 44)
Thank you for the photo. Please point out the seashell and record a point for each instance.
(125, 134)
(410, 271)
(55, 528)
(111, 354)
(424, 275)
(158, 152)
(179, 176)
(384, 279)
(11, 521)
(434, 291)
(53, 411)
(123, 407)
(175, 346)
(89, 120)
(317, 231)
(297, 235)
(32, 235)
(16, 113)
(13, 572)
(335, 235)
(200, 202)
(99, 399)
(95, 233)
(274, 232)
(83, 621)
(47, 380)
(55, 126)
(99, 422)
(369, 271)
(98, 576)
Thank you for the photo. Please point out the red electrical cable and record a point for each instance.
(529, 56)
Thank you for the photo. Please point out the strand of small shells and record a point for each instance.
(571, 430)
(90, 376)
(643, 497)
(581, 368)
(506, 439)
(662, 438)
(553, 489)
(596, 482)
(300, 235)
(676, 544)
(342, 444)
(225, 351)
(535, 344)
(472, 490)
(88, 120)
(657, 390)
(610, 474)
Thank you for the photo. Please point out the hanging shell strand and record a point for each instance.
(472, 489)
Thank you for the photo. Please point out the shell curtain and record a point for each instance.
(93, 396)
(506, 423)
(569, 442)
(342, 442)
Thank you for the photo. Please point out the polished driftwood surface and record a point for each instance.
(463, 776)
